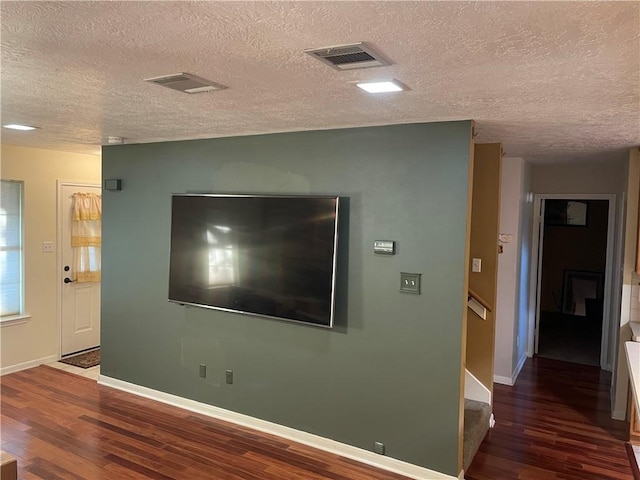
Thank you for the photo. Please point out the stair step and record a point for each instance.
(477, 416)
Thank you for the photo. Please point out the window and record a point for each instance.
(11, 285)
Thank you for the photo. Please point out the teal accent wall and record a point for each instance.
(390, 369)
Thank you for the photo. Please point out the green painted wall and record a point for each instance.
(390, 369)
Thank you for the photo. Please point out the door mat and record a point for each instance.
(84, 359)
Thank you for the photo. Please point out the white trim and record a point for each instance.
(502, 380)
(30, 364)
(474, 389)
(511, 381)
(533, 278)
(14, 320)
(618, 289)
(315, 441)
(518, 368)
(536, 260)
(619, 415)
(607, 347)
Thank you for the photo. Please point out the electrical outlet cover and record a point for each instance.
(410, 282)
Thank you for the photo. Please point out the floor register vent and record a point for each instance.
(349, 57)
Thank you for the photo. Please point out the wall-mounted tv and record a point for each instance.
(270, 256)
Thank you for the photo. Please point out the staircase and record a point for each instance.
(477, 420)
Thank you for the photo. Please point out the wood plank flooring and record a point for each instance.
(554, 424)
(63, 426)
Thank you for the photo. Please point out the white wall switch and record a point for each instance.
(476, 265)
(47, 247)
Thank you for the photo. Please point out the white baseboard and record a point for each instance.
(619, 415)
(511, 381)
(503, 380)
(518, 368)
(315, 441)
(30, 364)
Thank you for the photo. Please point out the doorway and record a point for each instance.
(78, 303)
(574, 252)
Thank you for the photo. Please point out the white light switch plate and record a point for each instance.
(47, 247)
(476, 265)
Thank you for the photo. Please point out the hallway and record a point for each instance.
(570, 338)
(555, 423)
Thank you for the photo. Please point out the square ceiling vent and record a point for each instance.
(185, 82)
(349, 57)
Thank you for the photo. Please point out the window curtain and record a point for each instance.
(86, 236)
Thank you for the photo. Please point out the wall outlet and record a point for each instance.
(203, 370)
(47, 247)
(229, 376)
(378, 447)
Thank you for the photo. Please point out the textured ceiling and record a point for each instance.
(552, 81)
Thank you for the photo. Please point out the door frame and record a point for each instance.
(59, 185)
(606, 346)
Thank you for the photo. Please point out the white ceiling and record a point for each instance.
(552, 81)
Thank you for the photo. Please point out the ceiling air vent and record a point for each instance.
(185, 82)
(349, 57)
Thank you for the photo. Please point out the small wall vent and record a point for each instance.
(185, 82)
(349, 57)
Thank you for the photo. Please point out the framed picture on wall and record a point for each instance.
(566, 213)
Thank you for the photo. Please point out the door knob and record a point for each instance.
(68, 280)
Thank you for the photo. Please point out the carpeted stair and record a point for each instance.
(477, 416)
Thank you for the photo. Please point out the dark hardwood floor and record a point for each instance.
(570, 338)
(63, 426)
(554, 424)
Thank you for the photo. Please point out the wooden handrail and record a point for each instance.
(480, 300)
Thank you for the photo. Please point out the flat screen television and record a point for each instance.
(270, 256)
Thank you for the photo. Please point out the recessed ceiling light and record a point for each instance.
(382, 87)
(14, 126)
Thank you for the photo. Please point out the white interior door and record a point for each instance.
(79, 302)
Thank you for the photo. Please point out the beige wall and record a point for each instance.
(607, 176)
(485, 212)
(36, 340)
